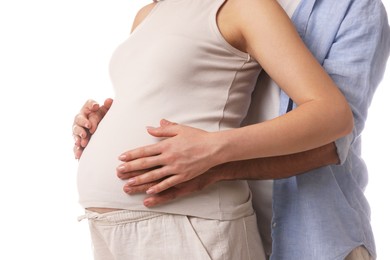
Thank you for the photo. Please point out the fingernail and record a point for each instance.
(121, 168)
(122, 157)
(147, 203)
(150, 191)
(131, 181)
(127, 189)
(150, 127)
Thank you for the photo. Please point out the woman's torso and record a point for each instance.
(175, 65)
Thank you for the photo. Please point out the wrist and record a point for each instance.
(219, 147)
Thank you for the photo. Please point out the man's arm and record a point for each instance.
(280, 166)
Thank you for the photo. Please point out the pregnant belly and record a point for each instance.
(100, 188)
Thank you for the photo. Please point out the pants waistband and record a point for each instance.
(118, 216)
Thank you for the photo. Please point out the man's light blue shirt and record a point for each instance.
(323, 214)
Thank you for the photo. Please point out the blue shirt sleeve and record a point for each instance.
(357, 60)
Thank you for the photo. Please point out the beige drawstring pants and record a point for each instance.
(143, 235)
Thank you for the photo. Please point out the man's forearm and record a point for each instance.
(277, 167)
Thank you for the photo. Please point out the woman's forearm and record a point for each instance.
(302, 129)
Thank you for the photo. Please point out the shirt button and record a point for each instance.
(273, 224)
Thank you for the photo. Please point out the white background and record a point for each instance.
(53, 56)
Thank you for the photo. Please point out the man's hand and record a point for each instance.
(86, 122)
(185, 154)
(177, 191)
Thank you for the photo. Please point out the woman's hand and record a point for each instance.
(185, 154)
(86, 122)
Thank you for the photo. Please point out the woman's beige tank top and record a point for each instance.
(175, 65)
